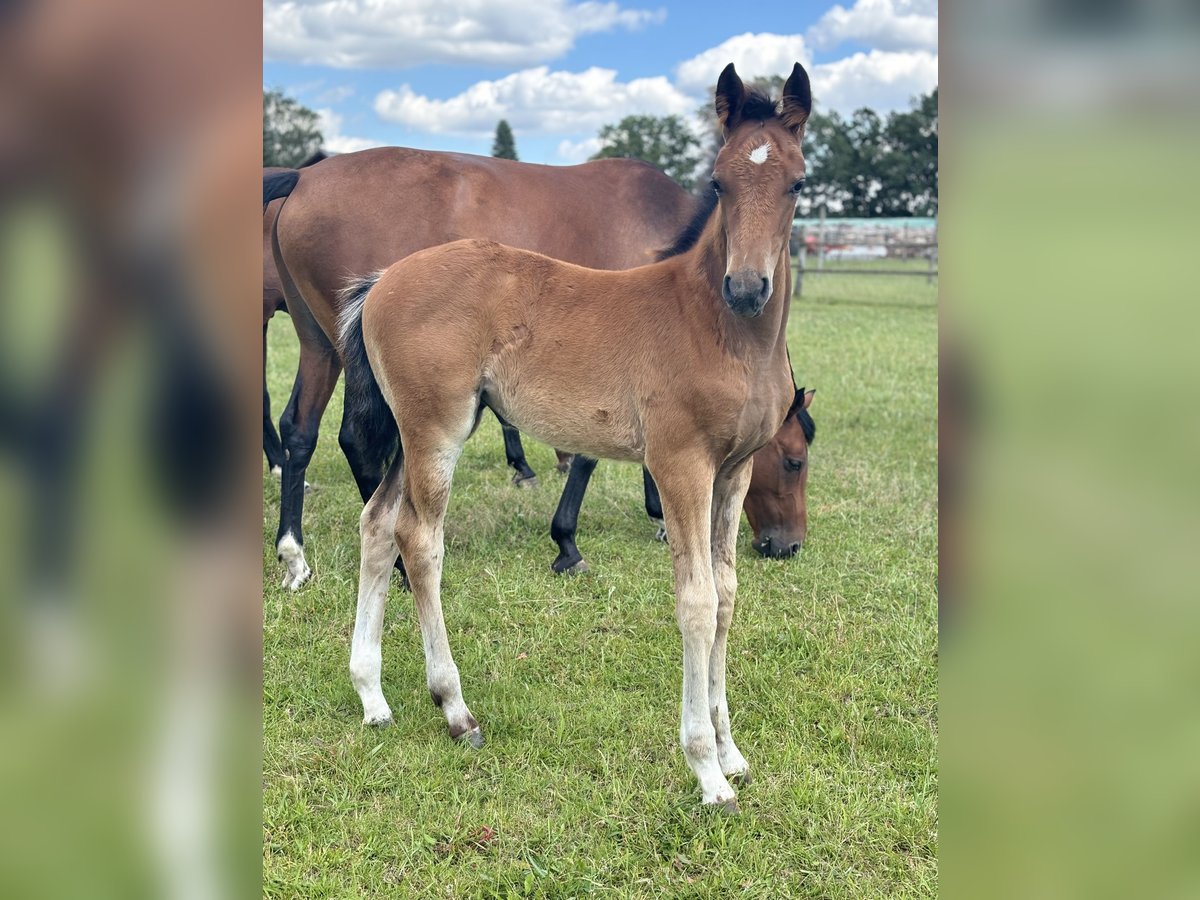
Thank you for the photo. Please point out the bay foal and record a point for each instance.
(680, 364)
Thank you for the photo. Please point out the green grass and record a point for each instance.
(581, 788)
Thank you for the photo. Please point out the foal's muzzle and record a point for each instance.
(746, 292)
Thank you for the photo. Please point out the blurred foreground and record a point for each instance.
(1070, 516)
(128, 448)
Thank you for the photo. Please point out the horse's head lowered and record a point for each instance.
(757, 177)
(776, 506)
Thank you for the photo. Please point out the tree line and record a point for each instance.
(861, 165)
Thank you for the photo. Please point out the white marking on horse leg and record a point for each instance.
(277, 471)
(291, 554)
(728, 497)
(687, 508)
(696, 612)
(759, 154)
(660, 533)
(377, 526)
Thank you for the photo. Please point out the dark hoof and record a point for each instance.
(474, 737)
(563, 567)
(525, 481)
(740, 779)
(727, 808)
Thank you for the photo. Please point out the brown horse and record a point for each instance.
(359, 198)
(776, 506)
(681, 365)
(360, 212)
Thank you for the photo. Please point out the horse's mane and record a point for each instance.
(807, 425)
(757, 104)
(686, 239)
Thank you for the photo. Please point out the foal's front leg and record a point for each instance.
(687, 493)
(729, 493)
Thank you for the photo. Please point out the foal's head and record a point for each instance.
(776, 505)
(757, 178)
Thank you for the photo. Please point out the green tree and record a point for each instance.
(662, 141)
(909, 166)
(504, 146)
(290, 131)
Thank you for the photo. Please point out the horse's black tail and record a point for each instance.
(366, 410)
(279, 184)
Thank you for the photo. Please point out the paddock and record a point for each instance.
(581, 787)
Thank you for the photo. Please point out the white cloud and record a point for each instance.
(336, 142)
(578, 151)
(754, 55)
(881, 24)
(881, 80)
(397, 34)
(536, 101)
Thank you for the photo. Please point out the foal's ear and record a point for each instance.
(796, 104)
(808, 395)
(731, 94)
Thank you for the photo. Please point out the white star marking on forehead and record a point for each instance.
(758, 155)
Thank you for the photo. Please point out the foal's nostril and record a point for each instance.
(766, 287)
(795, 547)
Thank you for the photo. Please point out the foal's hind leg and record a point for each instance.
(728, 495)
(428, 470)
(377, 526)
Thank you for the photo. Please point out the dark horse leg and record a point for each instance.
(318, 373)
(271, 445)
(515, 453)
(566, 517)
(654, 504)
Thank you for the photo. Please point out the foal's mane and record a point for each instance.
(757, 104)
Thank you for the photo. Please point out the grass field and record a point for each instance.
(581, 788)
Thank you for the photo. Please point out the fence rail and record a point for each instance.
(836, 239)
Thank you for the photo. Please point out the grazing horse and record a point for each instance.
(360, 212)
(681, 365)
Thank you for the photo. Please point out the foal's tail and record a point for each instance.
(366, 409)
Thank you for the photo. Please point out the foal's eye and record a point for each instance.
(793, 465)
(798, 186)
(715, 185)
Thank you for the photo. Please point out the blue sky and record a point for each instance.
(439, 75)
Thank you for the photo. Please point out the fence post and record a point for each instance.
(821, 238)
(801, 258)
(932, 255)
